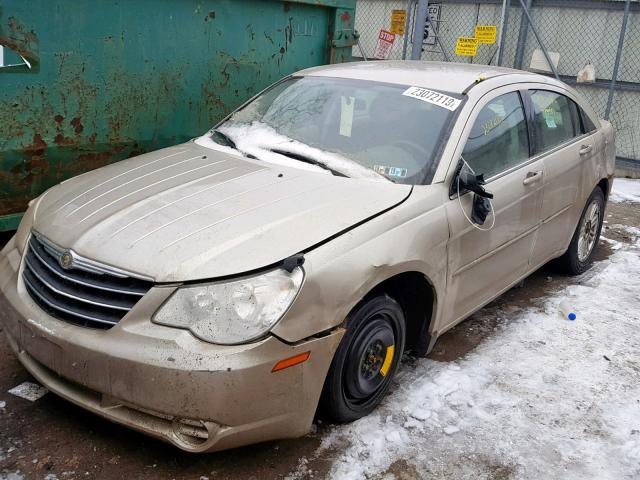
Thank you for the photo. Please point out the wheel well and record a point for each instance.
(604, 186)
(416, 296)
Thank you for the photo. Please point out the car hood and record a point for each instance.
(189, 212)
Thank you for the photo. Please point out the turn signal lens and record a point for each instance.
(291, 361)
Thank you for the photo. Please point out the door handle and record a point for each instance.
(532, 177)
(584, 149)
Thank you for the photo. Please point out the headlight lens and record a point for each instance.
(232, 312)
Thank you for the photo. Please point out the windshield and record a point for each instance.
(354, 127)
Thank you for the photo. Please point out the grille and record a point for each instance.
(85, 293)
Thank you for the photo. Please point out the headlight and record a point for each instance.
(232, 312)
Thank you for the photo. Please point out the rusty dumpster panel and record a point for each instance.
(108, 80)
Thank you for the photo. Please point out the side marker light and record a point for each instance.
(291, 361)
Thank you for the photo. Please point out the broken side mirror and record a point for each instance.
(465, 179)
(481, 208)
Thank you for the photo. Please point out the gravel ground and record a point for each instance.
(473, 409)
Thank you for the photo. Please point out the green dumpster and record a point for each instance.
(84, 83)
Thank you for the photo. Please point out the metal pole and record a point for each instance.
(422, 11)
(522, 39)
(437, 36)
(364, 57)
(503, 23)
(407, 28)
(444, 53)
(535, 33)
(616, 66)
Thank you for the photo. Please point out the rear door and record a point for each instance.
(568, 144)
(485, 260)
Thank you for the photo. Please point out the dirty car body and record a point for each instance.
(211, 294)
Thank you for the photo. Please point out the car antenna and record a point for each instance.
(481, 78)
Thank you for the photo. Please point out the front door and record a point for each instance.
(484, 260)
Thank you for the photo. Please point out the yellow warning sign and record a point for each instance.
(467, 46)
(398, 21)
(486, 34)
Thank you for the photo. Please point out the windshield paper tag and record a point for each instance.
(430, 96)
(346, 115)
(550, 117)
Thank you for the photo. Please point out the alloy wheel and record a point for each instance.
(589, 231)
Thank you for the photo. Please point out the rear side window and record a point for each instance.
(587, 125)
(556, 119)
(498, 139)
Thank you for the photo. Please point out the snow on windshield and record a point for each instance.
(258, 139)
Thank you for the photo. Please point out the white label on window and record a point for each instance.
(550, 117)
(346, 115)
(436, 98)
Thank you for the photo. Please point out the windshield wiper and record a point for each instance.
(225, 138)
(228, 142)
(306, 159)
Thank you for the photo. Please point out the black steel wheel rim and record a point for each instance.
(369, 360)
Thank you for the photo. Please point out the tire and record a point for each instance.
(579, 256)
(366, 361)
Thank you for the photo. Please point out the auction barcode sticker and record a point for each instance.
(440, 99)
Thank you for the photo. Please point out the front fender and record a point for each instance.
(339, 274)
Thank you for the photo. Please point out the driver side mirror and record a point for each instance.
(465, 179)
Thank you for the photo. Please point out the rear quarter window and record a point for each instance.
(587, 125)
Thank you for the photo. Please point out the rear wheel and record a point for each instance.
(366, 360)
(579, 256)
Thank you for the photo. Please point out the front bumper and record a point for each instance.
(163, 381)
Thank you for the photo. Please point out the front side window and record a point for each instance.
(499, 139)
(556, 119)
(345, 124)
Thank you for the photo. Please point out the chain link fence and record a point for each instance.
(575, 33)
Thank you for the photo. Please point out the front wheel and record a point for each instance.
(366, 360)
(579, 256)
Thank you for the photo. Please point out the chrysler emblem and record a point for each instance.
(66, 260)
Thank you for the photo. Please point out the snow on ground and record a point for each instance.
(544, 397)
(625, 190)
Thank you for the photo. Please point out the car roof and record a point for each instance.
(446, 76)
